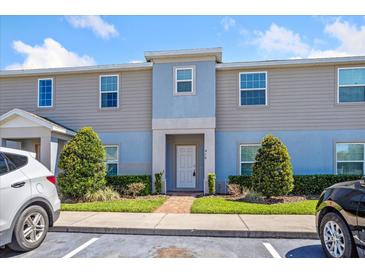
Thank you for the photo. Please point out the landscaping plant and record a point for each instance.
(211, 183)
(121, 183)
(82, 164)
(272, 172)
(158, 182)
(135, 189)
(102, 195)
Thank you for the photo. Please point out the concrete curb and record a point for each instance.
(188, 232)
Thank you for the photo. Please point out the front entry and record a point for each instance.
(186, 166)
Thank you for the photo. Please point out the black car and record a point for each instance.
(340, 220)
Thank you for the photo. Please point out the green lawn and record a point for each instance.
(224, 206)
(124, 205)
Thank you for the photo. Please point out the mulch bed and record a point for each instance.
(271, 200)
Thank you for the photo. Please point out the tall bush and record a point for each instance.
(211, 183)
(82, 164)
(272, 172)
(158, 182)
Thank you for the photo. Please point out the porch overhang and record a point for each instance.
(18, 118)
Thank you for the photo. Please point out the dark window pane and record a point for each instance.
(45, 93)
(253, 97)
(112, 169)
(246, 169)
(352, 94)
(16, 161)
(109, 100)
(185, 86)
(350, 168)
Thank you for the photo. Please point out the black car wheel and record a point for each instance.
(335, 237)
(30, 229)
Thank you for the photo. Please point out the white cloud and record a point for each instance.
(94, 22)
(278, 39)
(281, 39)
(49, 55)
(228, 22)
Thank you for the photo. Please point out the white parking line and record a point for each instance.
(77, 250)
(272, 250)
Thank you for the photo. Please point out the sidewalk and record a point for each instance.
(214, 225)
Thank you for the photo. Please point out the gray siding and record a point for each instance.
(298, 98)
(76, 100)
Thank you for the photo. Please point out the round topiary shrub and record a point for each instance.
(82, 164)
(272, 172)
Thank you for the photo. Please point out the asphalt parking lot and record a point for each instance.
(84, 245)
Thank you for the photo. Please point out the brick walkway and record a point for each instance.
(176, 204)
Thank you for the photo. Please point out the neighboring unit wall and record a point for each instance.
(76, 100)
(298, 98)
(168, 105)
(302, 111)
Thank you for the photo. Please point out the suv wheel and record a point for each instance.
(335, 237)
(30, 229)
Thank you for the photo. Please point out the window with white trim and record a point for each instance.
(253, 88)
(112, 159)
(184, 81)
(45, 93)
(350, 158)
(109, 91)
(351, 85)
(247, 158)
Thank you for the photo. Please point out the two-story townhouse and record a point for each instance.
(186, 113)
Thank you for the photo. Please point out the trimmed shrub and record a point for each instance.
(303, 184)
(120, 183)
(211, 183)
(272, 172)
(315, 184)
(245, 182)
(158, 182)
(102, 195)
(82, 164)
(135, 189)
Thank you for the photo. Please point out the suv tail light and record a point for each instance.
(52, 179)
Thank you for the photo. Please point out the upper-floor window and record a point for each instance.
(45, 92)
(253, 88)
(351, 85)
(109, 91)
(247, 158)
(184, 81)
(350, 158)
(112, 159)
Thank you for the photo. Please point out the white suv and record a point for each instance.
(29, 203)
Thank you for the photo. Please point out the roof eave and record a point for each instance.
(70, 70)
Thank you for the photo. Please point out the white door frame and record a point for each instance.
(193, 168)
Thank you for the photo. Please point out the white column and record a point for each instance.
(209, 155)
(158, 156)
(45, 156)
(54, 155)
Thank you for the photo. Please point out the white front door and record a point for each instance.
(185, 166)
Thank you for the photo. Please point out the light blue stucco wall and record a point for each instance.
(135, 151)
(312, 152)
(166, 105)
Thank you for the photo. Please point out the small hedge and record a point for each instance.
(315, 184)
(120, 183)
(303, 184)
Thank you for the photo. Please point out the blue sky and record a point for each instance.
(54, 41)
